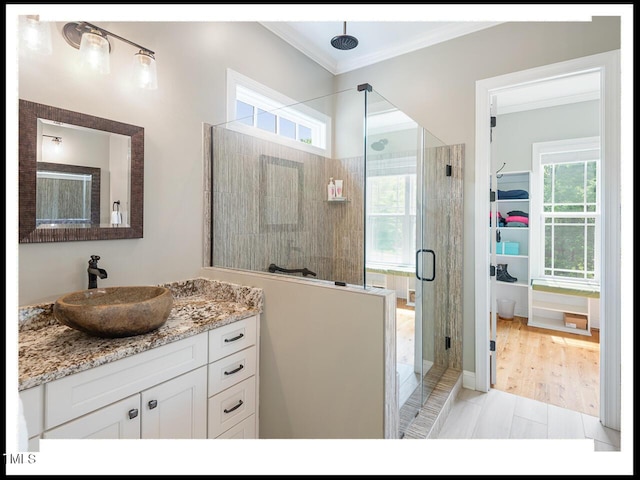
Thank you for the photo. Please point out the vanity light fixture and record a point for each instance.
(57, 142)
(35, 35)
(93, 43)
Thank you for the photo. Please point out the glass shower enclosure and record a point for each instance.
(347, 189)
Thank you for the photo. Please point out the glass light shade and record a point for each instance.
(35, 35)
(94, 52)
(144, 71)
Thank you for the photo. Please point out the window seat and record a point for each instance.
(398, 270)
(581, 288)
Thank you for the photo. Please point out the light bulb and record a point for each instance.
(94, 52)
(144, 70)
(35, 35)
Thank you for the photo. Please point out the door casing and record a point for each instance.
(608, 64)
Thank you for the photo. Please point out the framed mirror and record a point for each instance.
(75, 171)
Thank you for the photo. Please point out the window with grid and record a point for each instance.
(391, 219)
(257, 110)
(570, 208)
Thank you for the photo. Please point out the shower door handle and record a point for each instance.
(433, 274)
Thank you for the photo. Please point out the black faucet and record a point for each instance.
(95, 272)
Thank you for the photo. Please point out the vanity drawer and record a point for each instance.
(83, 392)
(230, 370)
(230, 407)
(231, 338)
(245, 429)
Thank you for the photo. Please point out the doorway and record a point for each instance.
(606, 66)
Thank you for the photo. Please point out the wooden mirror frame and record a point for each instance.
(29, 113)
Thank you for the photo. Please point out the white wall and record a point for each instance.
(192, 58)
(436, 87)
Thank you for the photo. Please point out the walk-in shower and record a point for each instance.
(347, 189)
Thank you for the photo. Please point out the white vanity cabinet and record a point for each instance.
(161, 390)
(174, 409)
(202, 386)
(233, 385)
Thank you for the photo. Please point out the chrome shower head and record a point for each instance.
(379, 145)
(344, 41)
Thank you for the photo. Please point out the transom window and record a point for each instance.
(569, 210)
(260, 111)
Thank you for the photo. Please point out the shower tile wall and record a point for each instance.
(326, 238)
(443, 297)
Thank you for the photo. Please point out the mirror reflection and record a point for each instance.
(82, 176)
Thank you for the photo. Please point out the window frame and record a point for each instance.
(567, 147)
(247, 90)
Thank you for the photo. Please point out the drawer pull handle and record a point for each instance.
(235, 370)
(133, 413)
(233, 408)
(227, 340)
(153, 404)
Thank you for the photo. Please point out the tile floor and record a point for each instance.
(502, 415)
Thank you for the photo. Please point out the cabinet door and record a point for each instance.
(118, 420)
(177, 408)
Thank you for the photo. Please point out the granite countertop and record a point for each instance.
(49, 350)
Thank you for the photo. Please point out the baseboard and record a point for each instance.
(469, 380)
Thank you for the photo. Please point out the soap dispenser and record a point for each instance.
(331, 190)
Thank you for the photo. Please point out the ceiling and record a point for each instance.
(382, 40)
(377, 41)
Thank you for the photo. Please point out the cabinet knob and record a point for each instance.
(133, 413)
(152, 404)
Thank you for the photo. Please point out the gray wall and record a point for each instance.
(321, 369)
(516, 132)
(436, 87)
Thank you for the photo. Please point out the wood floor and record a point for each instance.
(554, 367)
(405, 326)
(558, 368)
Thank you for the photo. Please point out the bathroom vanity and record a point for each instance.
(194, 377)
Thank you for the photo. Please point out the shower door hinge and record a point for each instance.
(493, 121)
(447, 343)
(448, 171)
(492, 270)
(492, 345)
(492, 196)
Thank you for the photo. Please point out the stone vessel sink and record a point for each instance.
(115, 311)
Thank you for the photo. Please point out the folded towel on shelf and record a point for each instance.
(517, 218)
(512, 194)
(517, 213)
(515, 224)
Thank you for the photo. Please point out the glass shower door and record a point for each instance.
(393, 144)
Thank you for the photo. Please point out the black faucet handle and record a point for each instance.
(93, 262)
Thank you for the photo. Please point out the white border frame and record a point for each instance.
(608, 64)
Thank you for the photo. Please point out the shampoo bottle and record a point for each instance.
(331, 190)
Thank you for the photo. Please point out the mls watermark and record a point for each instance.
(19, 458)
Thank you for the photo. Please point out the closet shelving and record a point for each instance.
(517, 264)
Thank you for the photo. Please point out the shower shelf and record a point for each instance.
(339, 200)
